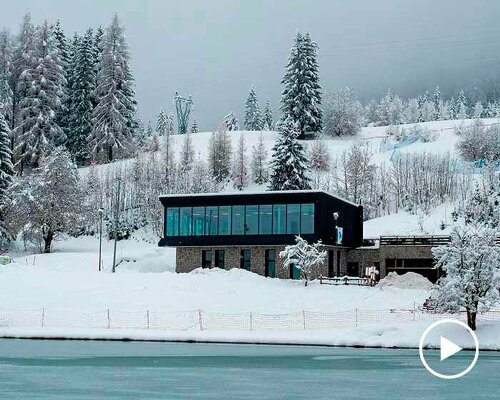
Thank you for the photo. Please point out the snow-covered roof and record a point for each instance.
(164, 196)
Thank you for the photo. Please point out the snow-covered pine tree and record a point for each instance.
(437, 100)
(114, 116)
(62, 117)
(194, 126)
(40, 131)
(201, 179)
(260, 171)
(453, 108)
(301, 97)
(303, 256)
(253, 117)
(219, 155)
(168, 158)
(289, 163)
(319, 160)
(5, 75)
(24, 63)
(6, 173)
(161, 124)
(81, 94)
(478, 110)
(471, 262)
(239, 173)
(462, 112)
(231, 122)
(267, 117)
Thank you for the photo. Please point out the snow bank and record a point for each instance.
(409, 280)
(387, 335)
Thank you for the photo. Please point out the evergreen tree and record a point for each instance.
(231, 122)
(162, 124)
(240, 168)
(194, 126)
(186, 156)
(24, 63)
(301, 97)
(82, 97)
(253, 118)
(62, 117)
(40, 131)
(462, 106)
(5, 75)
(437, 103)
(114, 116)
(267, 117)
(6, 173)
(260, 174)
(289, 163)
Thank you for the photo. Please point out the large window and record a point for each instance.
(186, 221)
(293, 218)
(172, 221)
(238, 220)
(279, 218)
(266, 220)
(307, 218)
(252, 220)
(211, 220)
(225, 220)
(198, 220)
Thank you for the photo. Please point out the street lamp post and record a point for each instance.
(101, 211)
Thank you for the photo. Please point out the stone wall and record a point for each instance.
(190, 258)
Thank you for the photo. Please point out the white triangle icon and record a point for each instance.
(448, 348)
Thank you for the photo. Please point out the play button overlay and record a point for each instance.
(449, 349)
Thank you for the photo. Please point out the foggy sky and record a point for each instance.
(215, 49)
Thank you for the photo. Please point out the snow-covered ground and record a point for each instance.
(68, 279)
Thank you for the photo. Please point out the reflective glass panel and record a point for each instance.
(252, 220)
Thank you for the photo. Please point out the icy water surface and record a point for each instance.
(133, 370)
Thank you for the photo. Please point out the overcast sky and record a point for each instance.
(215, 49)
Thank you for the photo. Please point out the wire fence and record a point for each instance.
(208, 321)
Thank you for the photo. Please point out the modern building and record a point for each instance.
(249, 230)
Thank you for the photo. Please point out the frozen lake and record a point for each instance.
(135, 370)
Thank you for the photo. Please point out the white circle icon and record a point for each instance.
(448, 348)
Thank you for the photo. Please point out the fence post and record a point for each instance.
(147, 316)
(200, 320)
(414, 310)
(109, 320)
(251, 321)
(356, 318)
(304, 318)
(43, 317)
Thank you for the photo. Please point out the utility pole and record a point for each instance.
(100, 237)
(117, 209)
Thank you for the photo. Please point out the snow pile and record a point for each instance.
(409, 280)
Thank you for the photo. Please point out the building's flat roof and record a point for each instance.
(273, 192)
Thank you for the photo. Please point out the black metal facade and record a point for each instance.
(350, 218)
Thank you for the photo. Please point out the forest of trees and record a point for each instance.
(68, 102)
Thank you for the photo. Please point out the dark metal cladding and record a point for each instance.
(350, 218)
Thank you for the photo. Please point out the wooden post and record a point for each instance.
(109, 320)
(304, 318)
(251, 321)
(147, 316)
(414, 310)
(356, 318)
(200, 320)
(43, 317)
